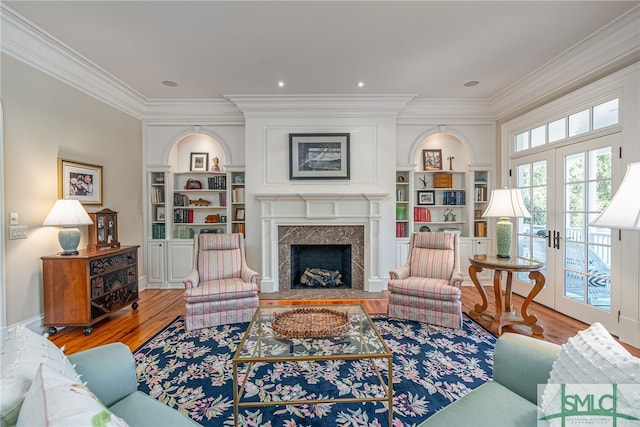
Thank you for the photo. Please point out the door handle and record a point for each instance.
(556, 239)
(549, 238)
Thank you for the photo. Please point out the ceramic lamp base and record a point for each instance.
(504, 229)
(69, 239)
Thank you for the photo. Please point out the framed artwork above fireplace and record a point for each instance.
(319, 156)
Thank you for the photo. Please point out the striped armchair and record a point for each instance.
(427, 288)
(220, 289)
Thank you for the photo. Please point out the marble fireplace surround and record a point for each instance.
(321, 235)
(320, 219)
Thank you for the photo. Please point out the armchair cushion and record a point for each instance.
(431, 263)
(425, 288)
(219, 290)
(219, 264)
(433, 255)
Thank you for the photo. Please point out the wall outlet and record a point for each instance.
(18, 232)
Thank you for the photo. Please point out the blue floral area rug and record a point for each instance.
(432, 367)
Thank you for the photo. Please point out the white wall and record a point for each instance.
(45, 119)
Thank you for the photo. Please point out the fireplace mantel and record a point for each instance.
(318, 209)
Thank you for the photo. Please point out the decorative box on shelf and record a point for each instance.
(443, 180)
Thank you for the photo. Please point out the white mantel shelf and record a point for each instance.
(322, 196)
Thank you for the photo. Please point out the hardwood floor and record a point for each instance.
(159, 307)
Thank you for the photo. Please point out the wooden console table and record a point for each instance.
(506, 315)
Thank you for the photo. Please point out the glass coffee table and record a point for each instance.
(358, 339)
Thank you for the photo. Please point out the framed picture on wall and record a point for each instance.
(80, 181)
(319, 156)
(199, 162)
(431, 160)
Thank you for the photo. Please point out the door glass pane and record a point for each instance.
(587, 189)
(605, 114)
(579, 123)
(531, 232)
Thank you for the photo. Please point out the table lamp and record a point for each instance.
(69, 214)
(624, 209)
(505, 203)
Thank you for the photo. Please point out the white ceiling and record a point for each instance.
(428, 48)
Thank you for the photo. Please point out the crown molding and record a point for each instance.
(25, 42)
(615, 45)
(452, 110)
(335, 105)
(619, 41)
(189, 111)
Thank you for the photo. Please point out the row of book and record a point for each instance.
(218, 182)
(180, 199)
(480, 229)
(401, 229)
(157, 194)
(238, 195)
(183, 216)
(157, 231)
(481, 194)
(421, 214)
(453, 198)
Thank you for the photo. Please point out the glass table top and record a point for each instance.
(359, 339)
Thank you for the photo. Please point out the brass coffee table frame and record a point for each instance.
(260, 332)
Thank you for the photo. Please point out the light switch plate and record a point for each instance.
(13, 218)
(18, 232)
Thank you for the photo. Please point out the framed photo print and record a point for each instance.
(239, 216)
(80, 181)
(427, 197)
(319, 156)
(160, 213)
(431, 160)
(199, 162)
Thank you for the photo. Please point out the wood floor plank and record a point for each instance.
(157, 308)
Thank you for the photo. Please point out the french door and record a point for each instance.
(565, 188)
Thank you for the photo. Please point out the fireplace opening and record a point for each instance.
(328, 258)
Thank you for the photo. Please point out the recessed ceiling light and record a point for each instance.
(360, 84)
(471, 83)
(169, 83)
(280, 83)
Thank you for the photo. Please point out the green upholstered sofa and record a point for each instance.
(110, 373)
(520, 363)
(39, 385)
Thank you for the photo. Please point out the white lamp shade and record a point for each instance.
(624, 209)
(67, 213)
(506, 202)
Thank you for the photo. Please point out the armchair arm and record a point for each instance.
(248, 275)
(400, 273)
(456, 279)
(522, 362)
(192, 280)
(108, 370)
